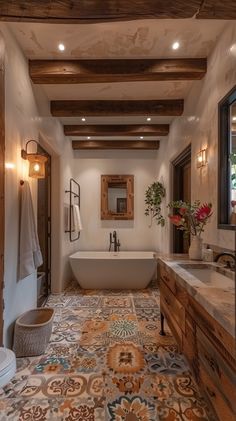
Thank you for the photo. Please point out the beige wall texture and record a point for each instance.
(23, 122)
(199, 126)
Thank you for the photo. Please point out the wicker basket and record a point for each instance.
(32, 332)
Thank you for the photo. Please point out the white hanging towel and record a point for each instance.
(77, 225)
(30, 256)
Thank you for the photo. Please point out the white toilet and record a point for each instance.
(7, 366)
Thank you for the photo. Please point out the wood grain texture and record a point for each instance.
(115, 144)
(127, 180)
(220, 405)
(110, 70)
(117, 130)
(217, 9)
(84, 11)
(209, 349)
(105, 108)
(221, 374)
(2, 181)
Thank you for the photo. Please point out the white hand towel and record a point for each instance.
(30, 256)
(77, 219)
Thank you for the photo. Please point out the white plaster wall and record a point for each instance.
(199, 126)
(88, 168)
(23, 123)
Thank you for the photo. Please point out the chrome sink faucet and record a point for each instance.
(115, 241)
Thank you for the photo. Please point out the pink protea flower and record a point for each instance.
(182, 211)
(203, 212)
(176, 220)
(233, 203)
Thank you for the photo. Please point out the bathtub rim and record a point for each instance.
(106, 255)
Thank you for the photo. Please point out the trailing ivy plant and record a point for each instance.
(153, 198)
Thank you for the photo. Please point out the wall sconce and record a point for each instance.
(201, 158)
(36, 161)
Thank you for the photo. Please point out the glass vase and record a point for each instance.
(195, 249)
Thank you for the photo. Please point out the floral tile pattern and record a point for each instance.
(105, 361)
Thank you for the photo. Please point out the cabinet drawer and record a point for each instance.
(175, 307)
(168, 279)
(223, 377)
(215, 397)
(217, 334)
(175, 329)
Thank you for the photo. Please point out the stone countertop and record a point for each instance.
(218, 300)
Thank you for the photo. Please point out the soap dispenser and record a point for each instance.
(207, 254)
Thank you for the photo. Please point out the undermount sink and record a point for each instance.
(209, 275)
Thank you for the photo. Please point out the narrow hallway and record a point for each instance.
(105, 361)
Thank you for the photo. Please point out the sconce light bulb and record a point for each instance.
(148, 118)
(234, 118)
(36, 167)
(175, 45)
(9, 165)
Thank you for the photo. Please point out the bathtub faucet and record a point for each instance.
(114, 241)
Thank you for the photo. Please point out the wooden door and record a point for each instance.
(44, 231)
(181, 191)
(186, 198)
(2, 181)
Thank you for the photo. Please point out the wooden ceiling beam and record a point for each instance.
(92, 11)
(117, 130)
(115, 144)
(116, 70)
(105, 108)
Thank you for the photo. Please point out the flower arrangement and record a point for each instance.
(190, 218)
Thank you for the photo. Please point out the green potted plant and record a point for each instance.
(153, 198)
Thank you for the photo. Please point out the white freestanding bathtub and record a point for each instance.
(109, 270)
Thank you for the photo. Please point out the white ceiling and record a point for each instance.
(134, 39)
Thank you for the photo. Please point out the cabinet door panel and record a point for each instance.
(174, 306)
(168, 279)
(216, 399)
(219, 371)
(175, 329)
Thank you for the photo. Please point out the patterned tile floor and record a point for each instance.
(105, 361)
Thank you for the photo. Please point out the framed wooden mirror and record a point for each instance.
(227, 162)
(117, 197)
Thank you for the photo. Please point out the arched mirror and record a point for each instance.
(227, 162)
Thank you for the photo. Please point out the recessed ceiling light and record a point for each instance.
(141, 137)
(234, 118)
(175, 46)
(83, 119)
(61, 47)
(88, 137)
(148, 118)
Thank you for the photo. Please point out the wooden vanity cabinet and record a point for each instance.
(209, 348)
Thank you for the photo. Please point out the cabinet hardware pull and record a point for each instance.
(213, 365)
(210, 392)
(167, 301)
